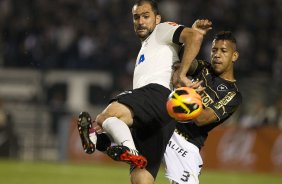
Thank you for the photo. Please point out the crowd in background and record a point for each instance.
(98, 35)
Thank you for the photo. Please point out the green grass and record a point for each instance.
(18, 172)
(218, 177)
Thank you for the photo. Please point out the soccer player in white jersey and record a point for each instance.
(143, 108)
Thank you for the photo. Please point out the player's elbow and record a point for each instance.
(206, 117)
(201, 121)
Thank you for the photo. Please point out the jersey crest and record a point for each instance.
(221, 87)
(141, 59)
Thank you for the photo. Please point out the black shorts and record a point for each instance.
(152, 126)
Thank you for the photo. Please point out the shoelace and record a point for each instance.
(133, 152)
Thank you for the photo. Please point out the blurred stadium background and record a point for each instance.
(58, 58)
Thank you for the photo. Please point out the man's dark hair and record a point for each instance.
(153, 4)
(225, 35)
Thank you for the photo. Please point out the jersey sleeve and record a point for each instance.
(168, 33)
(199, 66)
(227, 105)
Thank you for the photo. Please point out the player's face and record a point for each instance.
(144, 20)
(223, 54)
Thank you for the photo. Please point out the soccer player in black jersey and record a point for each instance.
(220, 98)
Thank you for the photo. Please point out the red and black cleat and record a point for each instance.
(84, 126)
(124, 154)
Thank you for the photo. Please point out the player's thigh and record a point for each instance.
(118, 110)
(141, 176)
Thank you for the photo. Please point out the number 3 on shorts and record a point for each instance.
(185, 176)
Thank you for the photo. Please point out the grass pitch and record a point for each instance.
(19, 172)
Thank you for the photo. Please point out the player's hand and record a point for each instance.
(202, 25)
(180, 80)
(197, 85)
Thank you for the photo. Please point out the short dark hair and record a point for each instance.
(225, 35)
(153, 4)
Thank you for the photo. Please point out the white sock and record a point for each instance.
(119, 131)
(93, 137)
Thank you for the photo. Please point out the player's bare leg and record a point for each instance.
(116, 120)
(141, 176)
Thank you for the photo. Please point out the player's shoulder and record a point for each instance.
(167, 25)
(239, 96)
(171, 23)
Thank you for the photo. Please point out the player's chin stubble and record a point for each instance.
(144, 35)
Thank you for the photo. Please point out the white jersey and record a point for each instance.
(156, 56)
(183, 161)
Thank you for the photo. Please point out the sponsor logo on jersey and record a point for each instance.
(206, 99)
(225, 100)
(141, 59)
(221, 87)
(177, 149)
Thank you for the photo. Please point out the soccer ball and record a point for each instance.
(184, 104)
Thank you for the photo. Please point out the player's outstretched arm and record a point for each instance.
(192, 39)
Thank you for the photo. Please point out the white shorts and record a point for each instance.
(183, 161)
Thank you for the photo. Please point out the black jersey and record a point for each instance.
(220, 95)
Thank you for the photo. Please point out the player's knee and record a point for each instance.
(101, 118)
(116, 110)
